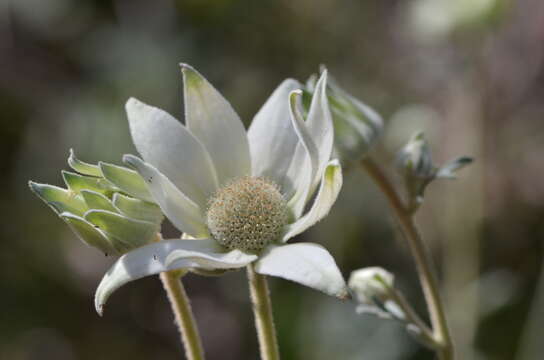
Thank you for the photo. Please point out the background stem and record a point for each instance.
(262, 309)
(184, 316)
(423, 264)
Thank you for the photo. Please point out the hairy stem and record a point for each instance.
(184, 316)
(423, 264)
(262, 309)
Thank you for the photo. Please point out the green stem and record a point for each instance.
(423, 264)
(184, 316)
(262, 309)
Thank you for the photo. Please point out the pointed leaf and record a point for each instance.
(83, 167)
(76, 183)
(59, 199)
(133, 233)
(137, 209)
(127, 180)
(449, 169)
(88, 233)
(97, 201)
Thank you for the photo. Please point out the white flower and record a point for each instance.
(238, 196)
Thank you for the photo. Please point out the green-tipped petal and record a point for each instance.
(331, 183)
(83, 167)
(96, 200)
(131, 233)
(76, 183)
(172, 149)
(211, 118)
(59, 199)
(88, 233)
(137, 209)
(127, 180)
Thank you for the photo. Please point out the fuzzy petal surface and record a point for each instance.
(307, 264)
(331, 183)
(164, 256)
(211, 119)
(167, 145)
(176, 206)
(272, 138)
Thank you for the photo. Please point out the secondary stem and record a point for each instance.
(183, 314)
(262, 309)
(426, 275)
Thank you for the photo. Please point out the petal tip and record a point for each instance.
(131, 160)
(132, 103)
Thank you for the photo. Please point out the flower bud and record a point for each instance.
(416, 166)
(107, 206)
(371, 285)
(356, 125)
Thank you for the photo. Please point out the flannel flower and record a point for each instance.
(236, 196)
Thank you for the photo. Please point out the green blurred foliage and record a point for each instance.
(472, 79)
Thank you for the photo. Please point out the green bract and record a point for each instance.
(107, 206)
(357, 126)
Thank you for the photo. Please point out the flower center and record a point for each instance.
(247, 214)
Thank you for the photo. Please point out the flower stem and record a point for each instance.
(262, 309)
(423, 264)
(184, 316)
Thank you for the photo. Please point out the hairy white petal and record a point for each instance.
(307, 264)
(215, 123)
(272, 138)
(164, 256)
(320, 125)
(305, 160)
(178, 208)
(167, 145)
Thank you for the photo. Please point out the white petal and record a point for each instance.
(164, 256)
(307, 264)
(272, 138)
(166, 144)
(215, 123)
(320, 125)
(305, 160)
(331, 183)
(178, 208)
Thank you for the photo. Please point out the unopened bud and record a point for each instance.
(107, 206)
(357, 126)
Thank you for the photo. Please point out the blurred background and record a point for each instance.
(467, 72)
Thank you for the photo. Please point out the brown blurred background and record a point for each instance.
(467, 72)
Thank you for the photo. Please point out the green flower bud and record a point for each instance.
(357, 126)
(107, 206)
(417, 169)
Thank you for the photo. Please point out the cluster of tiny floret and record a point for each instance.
(247, 214)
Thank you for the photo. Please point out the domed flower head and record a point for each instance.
(237, 196)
